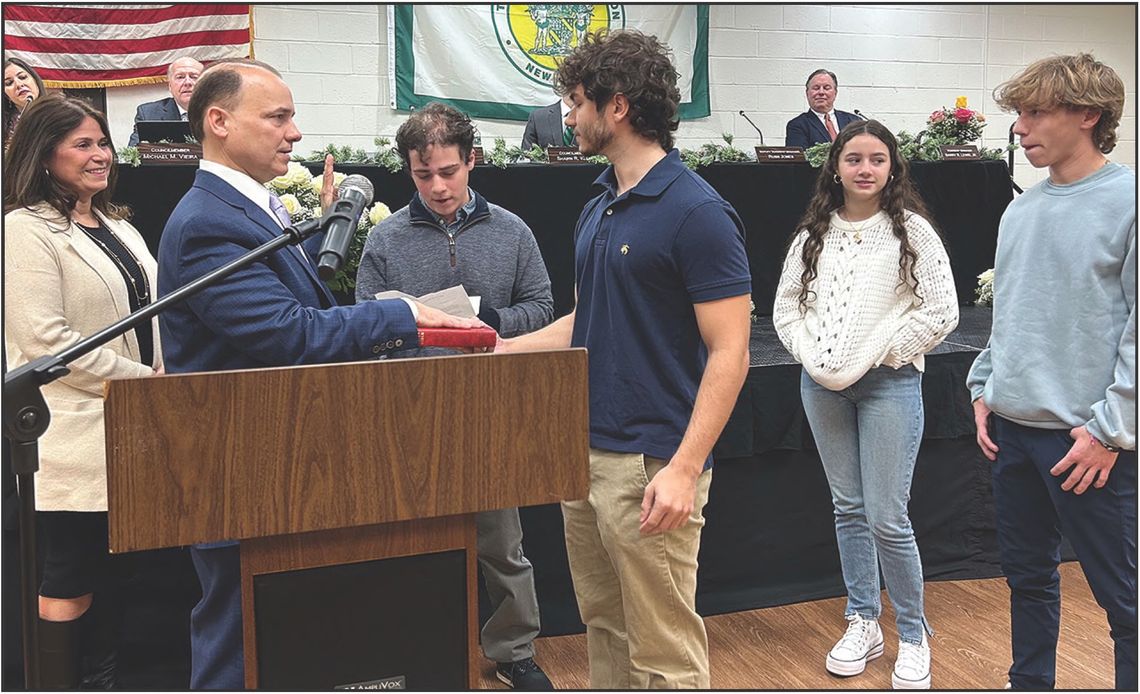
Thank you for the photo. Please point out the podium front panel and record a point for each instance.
(266, 452)
(398, 623)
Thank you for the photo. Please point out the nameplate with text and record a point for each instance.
(478, 152)
(959, 152)
(169, 153)
(564, 155)
(782, 155)
(385, 684)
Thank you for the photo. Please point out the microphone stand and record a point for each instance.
(753, 126)
(26, 418)
(1011, 181)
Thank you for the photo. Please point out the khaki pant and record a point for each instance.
(636, 594)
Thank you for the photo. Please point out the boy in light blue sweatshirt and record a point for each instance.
(1055, 390)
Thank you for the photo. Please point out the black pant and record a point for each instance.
(1032, 514)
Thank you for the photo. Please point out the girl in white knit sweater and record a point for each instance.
(865, 292)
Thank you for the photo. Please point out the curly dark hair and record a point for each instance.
(435, 124)
(44, 125)
(631, 63)
(897, 197)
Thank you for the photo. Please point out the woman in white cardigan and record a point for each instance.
(865, 292)
(73, 265)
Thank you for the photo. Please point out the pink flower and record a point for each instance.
(937, 117)
(963, 114)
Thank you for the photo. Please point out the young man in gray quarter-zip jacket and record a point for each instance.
(449, 235)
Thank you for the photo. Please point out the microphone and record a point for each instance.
(753, 125)
(339, 223)
(859, 113)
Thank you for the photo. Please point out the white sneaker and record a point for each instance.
(862, 642)
(912, 669)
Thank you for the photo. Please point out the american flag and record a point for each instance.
(79, 46)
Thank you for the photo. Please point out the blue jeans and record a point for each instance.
(1032, 514)
(868, 436)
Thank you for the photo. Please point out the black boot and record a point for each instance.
(59, 654)
(98, 629)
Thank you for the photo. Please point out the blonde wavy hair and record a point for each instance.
(1074, 82)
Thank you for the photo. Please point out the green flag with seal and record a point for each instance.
(498, 61)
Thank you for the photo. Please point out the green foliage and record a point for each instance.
(129, 155)
(816, 155)
(925, 146)
(711, 153)
(386, 155)
(345, 278)
(501, 155)
(341, 155)
(921, 147)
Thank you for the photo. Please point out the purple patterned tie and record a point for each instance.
(279, 210)
(282, 215)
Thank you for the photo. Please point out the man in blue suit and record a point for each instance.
(276, 312)
(180, 79)
(821, 122)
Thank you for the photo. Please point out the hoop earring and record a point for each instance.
(835, 177)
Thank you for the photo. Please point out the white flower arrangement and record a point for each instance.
(985, 291)
(300, 193)
(378, 213)
(292, 204)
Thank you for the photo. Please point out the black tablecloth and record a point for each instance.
(966, 200)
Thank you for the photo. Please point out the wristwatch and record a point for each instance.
(1107, 446)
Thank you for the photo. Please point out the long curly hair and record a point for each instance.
(897, 197)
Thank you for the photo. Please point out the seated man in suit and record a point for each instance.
(821, 122)
(180, 78)
(547, 127)
(276, 312)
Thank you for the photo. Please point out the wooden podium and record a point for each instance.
(335, 465)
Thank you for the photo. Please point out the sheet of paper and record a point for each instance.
(453, 300)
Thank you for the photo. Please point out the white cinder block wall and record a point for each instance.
(896, 63)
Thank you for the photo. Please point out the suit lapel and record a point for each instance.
(554, 122)
(819, 133)
(261, 218)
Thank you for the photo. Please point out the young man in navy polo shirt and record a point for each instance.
(663, 299)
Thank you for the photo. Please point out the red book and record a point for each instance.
(457, 337)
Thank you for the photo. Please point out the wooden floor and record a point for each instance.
(784, 647)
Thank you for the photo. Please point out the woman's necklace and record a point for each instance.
(143, 296)
(858, 235)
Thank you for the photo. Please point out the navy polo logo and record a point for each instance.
(625, 249)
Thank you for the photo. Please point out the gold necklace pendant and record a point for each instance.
(857, 234)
